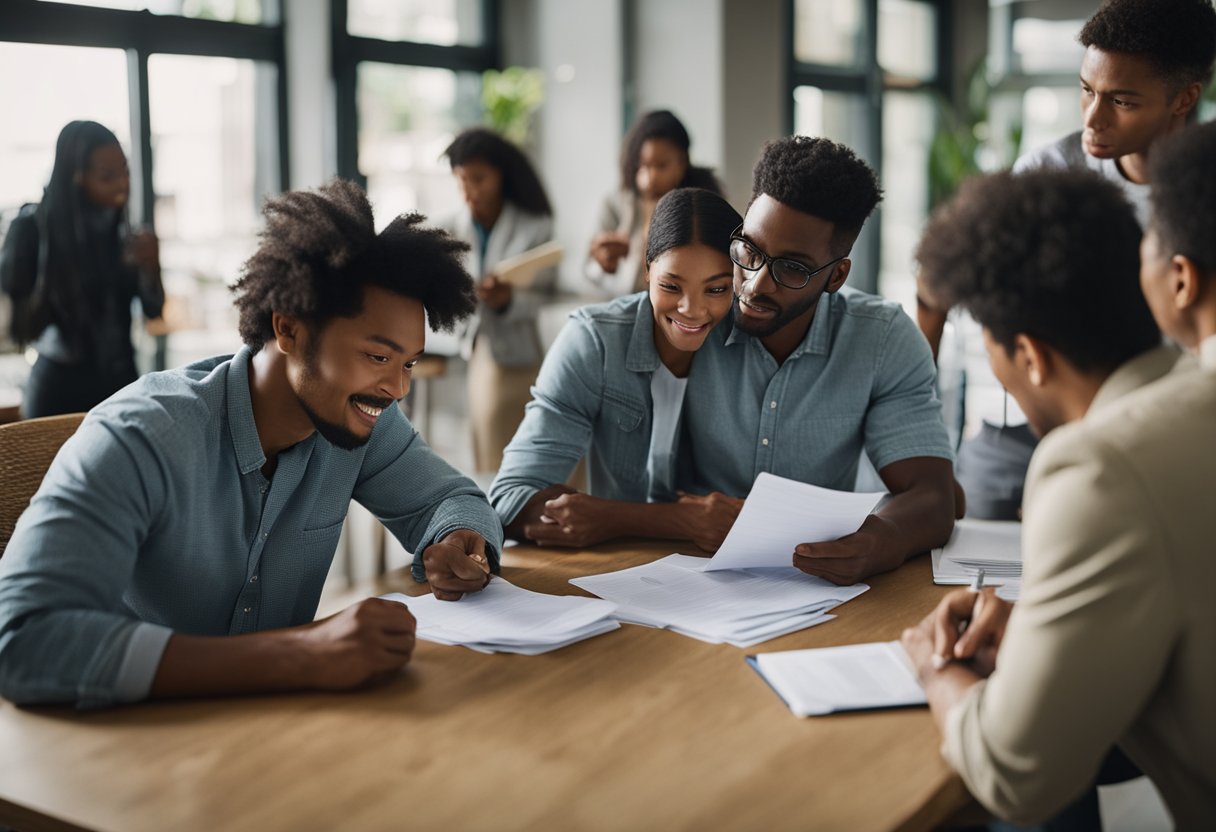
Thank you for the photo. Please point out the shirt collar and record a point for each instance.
(1139, 371)
(244, 430)
(1207, 353)
(818, 338)
(642, 356)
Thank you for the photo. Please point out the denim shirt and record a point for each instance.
(862, 378)
(156, 518)
(592, 397)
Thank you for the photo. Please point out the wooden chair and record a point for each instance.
(26, 451)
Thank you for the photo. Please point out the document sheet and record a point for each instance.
(739, 607)
(992, 545)
(850, 678)
(504, 618)
(779, 514)
(520, 270)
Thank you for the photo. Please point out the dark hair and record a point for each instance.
(1050, 254)
(691, 215)
(1178, 37)
(320, 248)
(822, 178)
(661, 124)
(1182, 169)
(72, 249)
(520, 184)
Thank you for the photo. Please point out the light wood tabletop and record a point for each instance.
(636, 729)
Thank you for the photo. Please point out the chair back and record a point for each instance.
(26, 451)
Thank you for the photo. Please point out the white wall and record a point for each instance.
(310, 94)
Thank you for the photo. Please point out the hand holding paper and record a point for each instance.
(780, 514)
(521, 269)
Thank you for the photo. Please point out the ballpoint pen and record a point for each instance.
(977, 585)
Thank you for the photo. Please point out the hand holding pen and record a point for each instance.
(969, 625)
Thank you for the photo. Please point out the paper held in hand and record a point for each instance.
(779, 514)
(520, 270)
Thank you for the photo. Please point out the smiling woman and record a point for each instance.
(612, 387)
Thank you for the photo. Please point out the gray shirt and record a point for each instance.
(1068, 152)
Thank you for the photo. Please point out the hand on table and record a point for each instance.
(709, 517)
(573, 519)
(457, 564)
(365, 643)
(607, 249)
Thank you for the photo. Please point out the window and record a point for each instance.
(439, 22)
(232, 11)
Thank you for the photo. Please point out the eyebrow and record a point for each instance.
(388, 342)
(1124, 93)
(674, 276)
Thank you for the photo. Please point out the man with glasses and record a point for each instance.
(810, 373)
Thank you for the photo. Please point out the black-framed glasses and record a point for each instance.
(789, 273)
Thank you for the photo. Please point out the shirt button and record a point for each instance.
(248, 610)
(265, 535)
(772, 405)
(254, 579)
(764, 441)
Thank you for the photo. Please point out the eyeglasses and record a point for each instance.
(789, 273)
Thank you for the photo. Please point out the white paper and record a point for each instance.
(853, 677)
(520, 270)
(994, 546)
(780, 513)
(504, 617)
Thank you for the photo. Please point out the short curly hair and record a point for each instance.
(1183, 172)
(1178, 37)
(819, 177)
(1049, 254)
(320, 248)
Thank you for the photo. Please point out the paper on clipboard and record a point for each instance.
(520, 270)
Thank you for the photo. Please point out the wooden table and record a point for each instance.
(636, 729)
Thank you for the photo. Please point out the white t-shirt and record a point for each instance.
(667, 393)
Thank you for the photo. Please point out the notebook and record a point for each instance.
(828, 680)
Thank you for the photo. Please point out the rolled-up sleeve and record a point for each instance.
(65, 635)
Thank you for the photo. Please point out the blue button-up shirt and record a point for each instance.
(155, 517)
(863, 377)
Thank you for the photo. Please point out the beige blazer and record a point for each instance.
(1114, 638)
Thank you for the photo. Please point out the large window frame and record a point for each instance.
(348, 51)
(867, 79)
(142, 34)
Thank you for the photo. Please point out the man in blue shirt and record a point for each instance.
(179, 542)
(811, 373)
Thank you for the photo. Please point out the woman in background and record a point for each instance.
(507, 213)
(612, 388)
(73, 269)
(654, 160)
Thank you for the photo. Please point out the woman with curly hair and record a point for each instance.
(72, 269)
(506, 213)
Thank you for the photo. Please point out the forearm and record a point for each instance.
(913, 521)
(274, 660)
(945, 688)
(662, 521)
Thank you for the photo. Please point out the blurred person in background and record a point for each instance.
(506, 213)
(654, 160)
(72, 267)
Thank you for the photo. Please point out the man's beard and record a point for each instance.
(335, 434)
(763, 329)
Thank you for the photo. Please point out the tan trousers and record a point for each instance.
(497, 396)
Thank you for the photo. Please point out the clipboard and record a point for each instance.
(520, 270)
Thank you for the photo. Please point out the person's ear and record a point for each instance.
(288, 332)
(1186, 99)
(839, 275)
(1034, 359)
(1185, 282)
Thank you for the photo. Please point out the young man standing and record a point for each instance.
(179, 542)
(1146, 63)
(1111, 642)
(811, 372)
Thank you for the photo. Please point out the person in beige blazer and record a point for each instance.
(1112, 641)
(507, 213)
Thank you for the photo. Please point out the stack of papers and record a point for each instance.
(504, 618)
(780, 513)
(857, 677)
(741, 607)
(994, 546)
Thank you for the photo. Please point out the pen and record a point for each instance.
(977, 584)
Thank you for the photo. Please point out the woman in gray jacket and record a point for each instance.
(507, 213)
